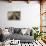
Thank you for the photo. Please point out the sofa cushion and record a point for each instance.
(17, 30)
(11, 30)
(23, 31)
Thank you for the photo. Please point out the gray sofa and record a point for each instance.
(17, 35)
(22, 38)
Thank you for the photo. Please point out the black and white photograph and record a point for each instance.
(14, 15)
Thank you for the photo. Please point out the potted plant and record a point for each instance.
(37, 33)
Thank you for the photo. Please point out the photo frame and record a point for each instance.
(14, 15)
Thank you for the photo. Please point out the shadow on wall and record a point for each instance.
(4, 0)
(21, 0)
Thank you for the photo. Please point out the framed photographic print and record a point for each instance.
(14, 15)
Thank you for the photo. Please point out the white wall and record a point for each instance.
(30, 14)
